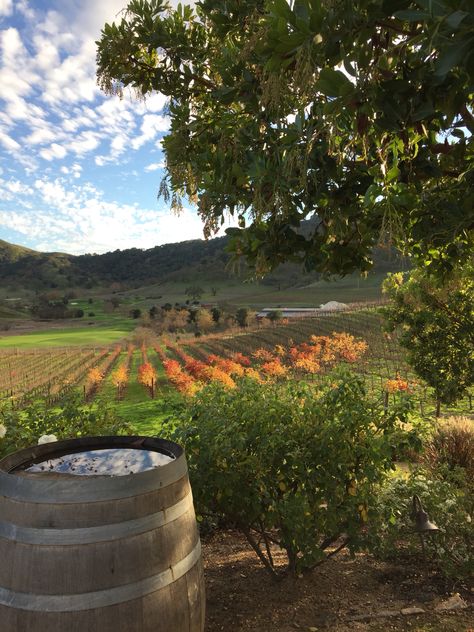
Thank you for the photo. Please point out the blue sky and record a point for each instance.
(79, 171)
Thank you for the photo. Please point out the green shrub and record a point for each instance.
(452, 446)
(449, 504)
(72, 419)
(286, 464)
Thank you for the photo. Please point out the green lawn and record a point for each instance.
(86, 336)
(145, 416)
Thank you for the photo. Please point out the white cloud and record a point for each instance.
(153, 103)
(17, 187)
(151, 126)
(79, 219)
(23, 7)
(52, 152)
(74, 170)
(6, 7)
(154, 166)
(8, 142)
(85, 143)
(41, 135)
(47, 56)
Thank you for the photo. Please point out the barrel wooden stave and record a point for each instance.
(106, 565)
(148, 613)
(69, 515)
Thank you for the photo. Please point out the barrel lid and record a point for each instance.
(59, 488)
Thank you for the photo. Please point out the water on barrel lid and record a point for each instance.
(109, 462)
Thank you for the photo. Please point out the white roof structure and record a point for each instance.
(333, 305)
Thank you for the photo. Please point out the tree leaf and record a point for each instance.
(450, 58)
(332, 83)
(455, 19)
(393, 173)
(282, 9)
(411, 15)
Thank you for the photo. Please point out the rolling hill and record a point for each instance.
(188, 262)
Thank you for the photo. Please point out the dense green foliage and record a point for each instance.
(71, 419)
(287, 464)
(436, 327)
(449, 503)
(54, 308)
(359, 114)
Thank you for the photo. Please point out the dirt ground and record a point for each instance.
(342, 594)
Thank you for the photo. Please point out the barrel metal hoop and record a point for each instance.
(100, 598)
(92, 535)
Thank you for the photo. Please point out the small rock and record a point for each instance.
(456, 602)
(312, 629)
(412, 610)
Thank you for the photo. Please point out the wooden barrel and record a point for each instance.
(99, 553)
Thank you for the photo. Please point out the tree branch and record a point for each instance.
(193, 76)
(259, 552)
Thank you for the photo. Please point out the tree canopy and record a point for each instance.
(436, 326)
(359, 114)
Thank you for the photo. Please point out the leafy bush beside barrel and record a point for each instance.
(288, 465)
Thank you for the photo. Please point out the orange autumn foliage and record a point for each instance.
(196, 368)
(263, 355)
(307, 364)
(241, 359)
(227, 365)
(95, 376)
(274, 368)
(119, 377)
(184, 383)
(215, 374)
(348, 347)
(397, 385)
(147, 374)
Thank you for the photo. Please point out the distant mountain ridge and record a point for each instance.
(187, 261)
(20, 266)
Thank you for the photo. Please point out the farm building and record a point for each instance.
(302, 312)
(289, 312)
